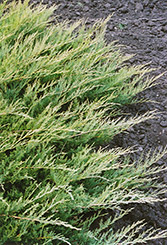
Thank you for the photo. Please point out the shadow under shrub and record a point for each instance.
(61, 87)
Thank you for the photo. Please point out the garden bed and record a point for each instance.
(142, 27)
(54, 107)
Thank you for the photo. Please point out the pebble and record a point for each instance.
(146, 2)
(141, 136)
(86, 8)
(139, 7)
(160, 46)
(163, 123)
(148, 123)
(132, 1)
(151, 23)
(133, 136)
(164, 28)
(124, 10)
(165, 206)
(140, 148)
(111, 27)
(165, 178)
(78, 13)
(164, 39)
(160, 162)
(108, 5)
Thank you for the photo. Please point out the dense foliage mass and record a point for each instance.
(61, 88)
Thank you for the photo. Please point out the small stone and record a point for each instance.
(148, 123)
(160, 46)
(140, 148)
(139, 7)
(165, 206)
(107, 5)
(164, 28)
(45, 2)
(163, 123)
(151, 23)
(133, 136)
(160, 162)
(141, 136)
(147, 51)
(80, 4)
(111, 27)
(164, 39)
(145, 141)
(86, 8)
(165, 178)
(124, 10)
(146, 2)
(78, 13)
(165, 103)
(136, 22)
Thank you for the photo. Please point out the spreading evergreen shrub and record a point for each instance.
(61, 89)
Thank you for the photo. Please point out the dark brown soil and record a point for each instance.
(140, 25)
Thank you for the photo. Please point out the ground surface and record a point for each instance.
(140, 25)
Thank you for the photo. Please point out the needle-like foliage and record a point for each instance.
(61, 88)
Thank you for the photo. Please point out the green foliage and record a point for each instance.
(61, 87)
